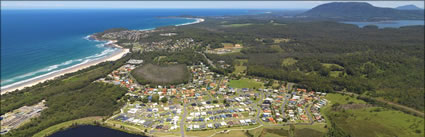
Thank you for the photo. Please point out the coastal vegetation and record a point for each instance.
(96, 99)
(321, 56)
(385, 63)
(353, 117)
(69, 97)
(67, 124)
(161, 57)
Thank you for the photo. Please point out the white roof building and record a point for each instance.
(223, 123)
(296, 97)
(132, 111)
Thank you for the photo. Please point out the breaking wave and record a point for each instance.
(55, 68)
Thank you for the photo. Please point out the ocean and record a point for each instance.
(43, 41)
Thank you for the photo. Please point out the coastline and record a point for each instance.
(198, 20)
(52, 75)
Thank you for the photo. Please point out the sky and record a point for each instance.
(185, 4)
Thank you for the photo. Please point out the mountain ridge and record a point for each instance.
(360, 11)
(408, 7)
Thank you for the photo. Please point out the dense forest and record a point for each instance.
(319, 55)
(323, 55)
(96, 99)
(162, 57)
(69, 97)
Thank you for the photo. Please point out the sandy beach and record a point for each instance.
(52, 75)
(198, 20)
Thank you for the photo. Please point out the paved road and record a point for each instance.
(183, 120)
(208, 60)
(286, 99)
(283, 105)
(259, 109)
(308, 114)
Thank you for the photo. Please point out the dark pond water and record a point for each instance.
(92, 131)
(388, 24)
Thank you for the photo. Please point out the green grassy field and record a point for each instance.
(256, 132)
(157, 59)
(276, 48)
(245, 83)
(289, 61)
(279, 131)
(279, 24)
(237, 25)
(307, 132)
(275, 132)
(280, 40)
(239, 66)
(240, 62)
(335, 73)
(239, 69)
(373, 121)
(227, 45)
(167, 134)
(315, 130)
(329, 65)
(342, 99)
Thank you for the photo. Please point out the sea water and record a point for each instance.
(38, 42)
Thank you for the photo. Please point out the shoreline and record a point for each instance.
(54, 74)
(86, 121)
(197, 20)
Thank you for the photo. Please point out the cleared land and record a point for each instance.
(227, 48)
(276, 48)
(371, 121)
(278, 131)
(237, 25)
(315, 130)
(336, 70)
(281, 40)
(289, 61)
(227, 45)
(278, 24)
(240, 67)
(161, 75)
(245, 83)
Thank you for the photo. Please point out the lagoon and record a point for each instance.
(387, 24)
(92, 131)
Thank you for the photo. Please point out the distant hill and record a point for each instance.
(408, 7)
(360, 11)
